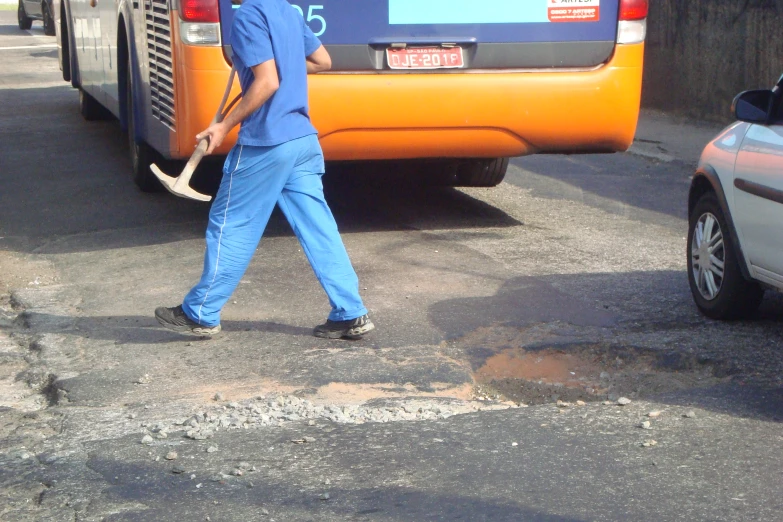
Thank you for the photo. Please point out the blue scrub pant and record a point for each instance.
(254, 180)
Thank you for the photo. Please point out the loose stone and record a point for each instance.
(645, 425)
(171, 455)
(689, 415)
(212, 449)
(654, 414)
(218, 396)
(146, 439)
(324, 496)
(624, 401)
(649, 443)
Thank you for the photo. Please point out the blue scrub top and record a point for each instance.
(272, 29)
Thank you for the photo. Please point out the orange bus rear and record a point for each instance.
(470, 83)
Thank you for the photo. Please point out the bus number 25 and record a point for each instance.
(312, 16)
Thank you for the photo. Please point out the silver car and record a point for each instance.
(735, 228)
(30, 10)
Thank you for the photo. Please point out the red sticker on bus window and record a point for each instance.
(574, 10)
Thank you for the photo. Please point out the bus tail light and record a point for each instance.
(200, 23)
(632, 27)
(199, 11)
(199, 34)
(634, 9)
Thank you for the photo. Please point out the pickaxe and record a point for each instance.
(180, 186)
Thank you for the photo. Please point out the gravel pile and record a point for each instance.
(277, 411)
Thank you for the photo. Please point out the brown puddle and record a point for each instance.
(546, 366)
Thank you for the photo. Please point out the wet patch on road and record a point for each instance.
(592, 372)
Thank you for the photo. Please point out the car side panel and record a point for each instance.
(758, 196)
(717, 167)
(108, 12)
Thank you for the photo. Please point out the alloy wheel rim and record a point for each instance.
(708, 256)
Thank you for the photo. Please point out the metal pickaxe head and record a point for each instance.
(180, 186)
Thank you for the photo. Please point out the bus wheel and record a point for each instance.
(48, 21)
(89, 107)
(25, 22)
(482, 172)
(141, 154)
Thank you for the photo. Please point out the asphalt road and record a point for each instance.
(567, 282)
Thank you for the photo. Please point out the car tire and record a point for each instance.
(719, 292)
(65, 41)
(48, 20)
(89, 107)
(482, 172)
(25, 22)
(141, 154)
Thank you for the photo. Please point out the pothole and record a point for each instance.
(591, 373)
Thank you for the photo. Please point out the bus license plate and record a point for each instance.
(425, 58)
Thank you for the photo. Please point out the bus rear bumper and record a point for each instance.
(476, 114)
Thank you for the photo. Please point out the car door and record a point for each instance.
(758, 198)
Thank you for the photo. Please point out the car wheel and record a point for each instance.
(482, 172)
(48, 21)
(141, 154)
(24, 21)
(718, 287)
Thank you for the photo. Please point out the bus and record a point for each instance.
(462, 85)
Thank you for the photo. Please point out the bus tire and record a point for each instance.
(141, 154)
(482, 172)
(48, 21)
(65, 44)
(89, 107)
(25, 22)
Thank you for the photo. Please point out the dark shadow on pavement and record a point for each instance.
(617, 183)
(141, 329)
(75, 192)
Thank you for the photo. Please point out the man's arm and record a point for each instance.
(265, 84)
(319, 61)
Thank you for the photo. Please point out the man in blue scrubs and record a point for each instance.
(277, 160)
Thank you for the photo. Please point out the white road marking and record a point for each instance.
(33, 85)
(17, 47)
